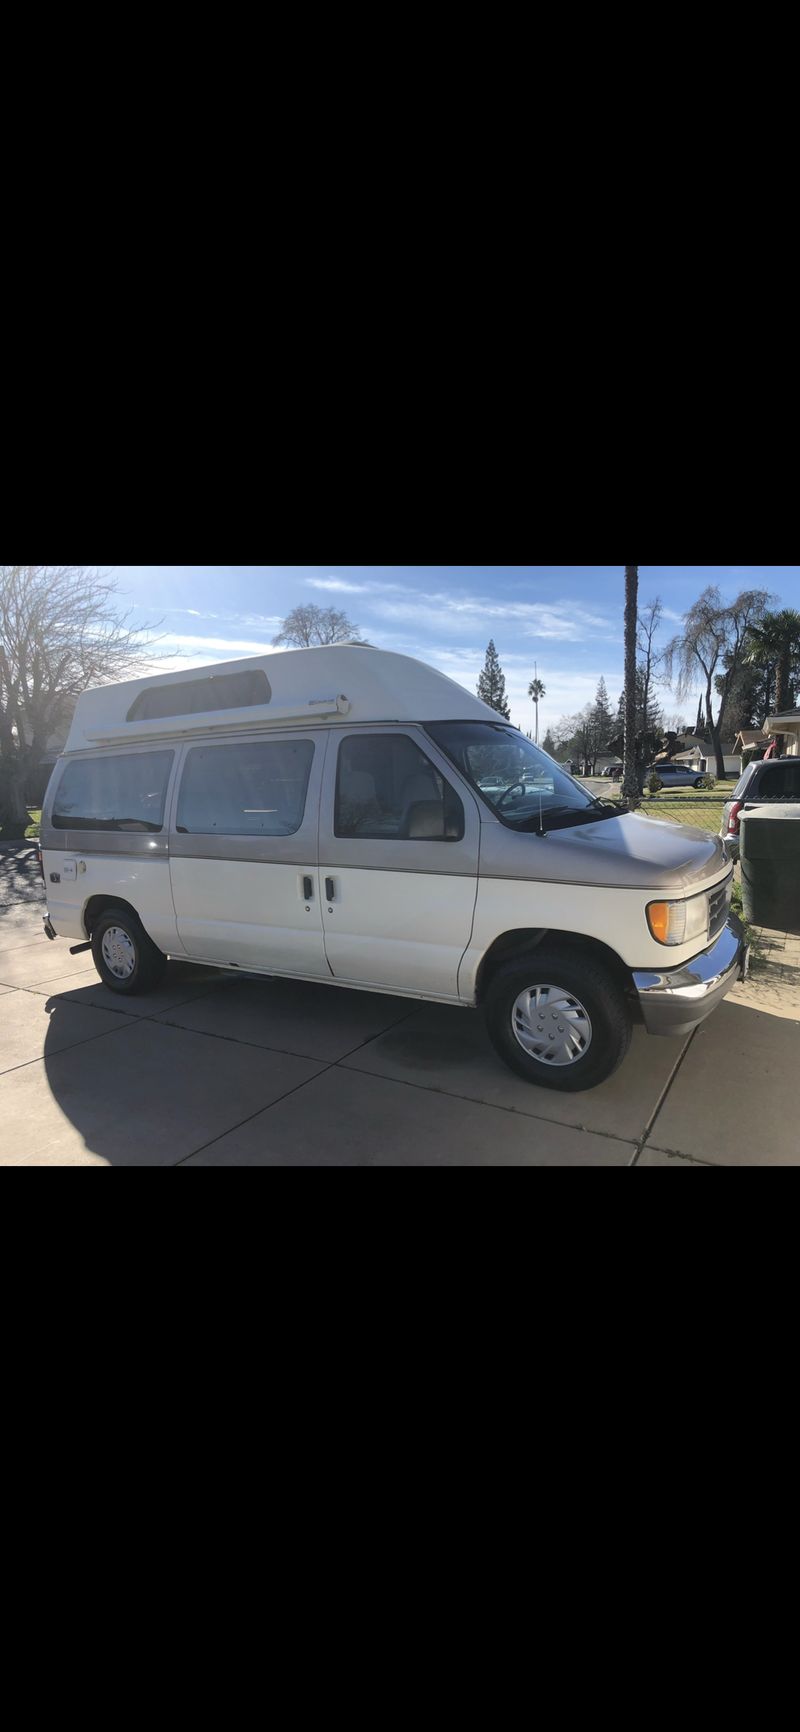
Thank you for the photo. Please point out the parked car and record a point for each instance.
(769, 782)
(265, 815)
(676, 775)
(612, 770)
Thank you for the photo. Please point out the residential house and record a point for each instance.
(750, 743)
(700, 755)
(787, 724)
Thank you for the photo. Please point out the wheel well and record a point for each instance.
(97, 905)
(511, 945)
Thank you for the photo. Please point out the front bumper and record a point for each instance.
(675, 1003)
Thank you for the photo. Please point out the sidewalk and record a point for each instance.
(225, 1070)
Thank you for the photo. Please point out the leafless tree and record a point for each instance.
(715, 641)
(61, 631)
(630, 775)
(307, 625)
(649, 657)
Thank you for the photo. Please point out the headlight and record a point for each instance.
(678, 922)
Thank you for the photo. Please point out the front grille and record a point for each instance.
(719, 902)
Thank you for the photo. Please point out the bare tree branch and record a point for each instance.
(61, 631)
(308, 625)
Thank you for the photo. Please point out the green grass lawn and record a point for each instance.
(687, 806)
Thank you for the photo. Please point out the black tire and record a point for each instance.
(148, 961)
(597, 994)
(699, 783)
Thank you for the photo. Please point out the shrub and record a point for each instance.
(709, 781)
(655, 784)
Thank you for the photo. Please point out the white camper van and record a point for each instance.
(352, 816)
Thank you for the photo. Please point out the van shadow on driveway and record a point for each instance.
(236, 1070)
(217, 1069)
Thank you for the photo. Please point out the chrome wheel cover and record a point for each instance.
(551, 1025)
(119, 953)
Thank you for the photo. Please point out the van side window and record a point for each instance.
(387, 787)
(115, 792)
(255, 788)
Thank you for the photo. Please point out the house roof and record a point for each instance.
(791, 718)
(705, 748)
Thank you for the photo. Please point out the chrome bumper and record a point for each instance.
(675, 1003)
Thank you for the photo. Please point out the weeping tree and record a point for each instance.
(61, 631)
(630, 775)
(713, 645)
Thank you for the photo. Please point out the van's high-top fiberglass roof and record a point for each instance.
(341, 682)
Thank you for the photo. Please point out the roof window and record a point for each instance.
(196, 697)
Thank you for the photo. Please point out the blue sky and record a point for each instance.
(565, 618)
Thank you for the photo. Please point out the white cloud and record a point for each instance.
(340, 586)
(450, 610)
(234, 647)
(566, 622)
(267, 620)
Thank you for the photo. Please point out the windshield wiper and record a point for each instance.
(563, 816)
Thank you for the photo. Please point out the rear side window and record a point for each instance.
(125, 792)
(744, 780)
(387, 787)
(195, 697)
(779, 782)
(245, 789)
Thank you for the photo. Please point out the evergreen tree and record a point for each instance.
(649, 720)
(492, 685)
(604, 719)
(549, 745)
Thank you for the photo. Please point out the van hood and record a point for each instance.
(625, 853)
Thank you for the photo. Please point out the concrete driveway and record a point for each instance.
(223, 1070)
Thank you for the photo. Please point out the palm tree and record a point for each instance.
(776, 643)
(537, 691)
(630, 775)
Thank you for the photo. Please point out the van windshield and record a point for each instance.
(521, 784)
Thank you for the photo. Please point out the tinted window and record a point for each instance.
(195, 697)
(387, 787)
(124, 792)
(745, 778)
(778, 782)
(246, 789)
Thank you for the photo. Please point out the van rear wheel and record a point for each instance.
(126, 960)
(559, 1021)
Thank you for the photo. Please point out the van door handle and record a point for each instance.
(329, 889)
(308, 889)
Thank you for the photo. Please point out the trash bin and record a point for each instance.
(769, 850)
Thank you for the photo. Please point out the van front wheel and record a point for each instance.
(126, 959)
(558, 1021)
